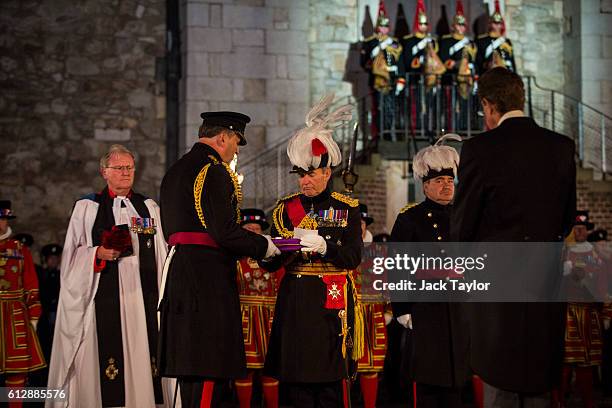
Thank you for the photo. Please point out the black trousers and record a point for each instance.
(433, 396)
(316, 395)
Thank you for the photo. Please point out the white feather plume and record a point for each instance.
(319, 125)
(436, 157)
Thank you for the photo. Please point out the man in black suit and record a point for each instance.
(517, 183)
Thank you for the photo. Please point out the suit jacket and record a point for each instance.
(517, 183)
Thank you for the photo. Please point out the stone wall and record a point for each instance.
(595, 197)
(596, 45)
(249, 56)
(75, 78)
(536, 30)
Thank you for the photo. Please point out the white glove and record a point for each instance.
(405, 320)
(388, 318)
(272, 249)
(399, 88)
(567, 268)
(314, 243)
(34, 323)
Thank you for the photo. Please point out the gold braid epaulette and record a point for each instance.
(353, 202)
(198, 186)
(277, 216)
(407, 207)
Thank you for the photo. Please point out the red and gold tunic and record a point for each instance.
(19, 303)
(583, 331)
(258, 290)
(374, 306)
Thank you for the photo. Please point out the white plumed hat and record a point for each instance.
(437, 160)
(313, 146)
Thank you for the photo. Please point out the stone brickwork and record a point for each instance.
(75, 78)
(248, 56)
(271, 59)
(596, 46)
(536, 30)
(596, 197)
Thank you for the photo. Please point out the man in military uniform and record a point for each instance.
(381, 57)
(418, 48)
(458, 53)
(316, 330)
(438, 362)
(494, 49)
(19, 307)
(257, 288)
(200, 198)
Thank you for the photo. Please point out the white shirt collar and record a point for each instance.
(511, 114)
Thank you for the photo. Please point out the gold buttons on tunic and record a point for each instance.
(439, 238)
(429, 214)
(435, 225)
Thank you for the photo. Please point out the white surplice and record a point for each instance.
(74, 362)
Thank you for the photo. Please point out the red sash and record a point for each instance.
(296, 211)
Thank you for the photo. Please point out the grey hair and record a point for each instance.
(115, 149)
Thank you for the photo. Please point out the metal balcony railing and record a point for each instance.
(404, 123)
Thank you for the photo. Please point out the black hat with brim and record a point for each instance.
(25, 239)
(582, 218)
(5, 210)
(231, 120)
(363, 209)
(254, 216)
(598, 235)
(51, 249)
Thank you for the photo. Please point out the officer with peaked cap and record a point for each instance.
(315, 332)
(201, 332)
(438, 362)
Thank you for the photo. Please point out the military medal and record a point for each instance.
(335, 291)
(143, 226)
(332, 218)
(149, 243)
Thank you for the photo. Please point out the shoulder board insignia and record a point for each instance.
(370, 38)
(481, 36)
(407, 207)
(353, 202)
(447, 36)
(408, 36)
